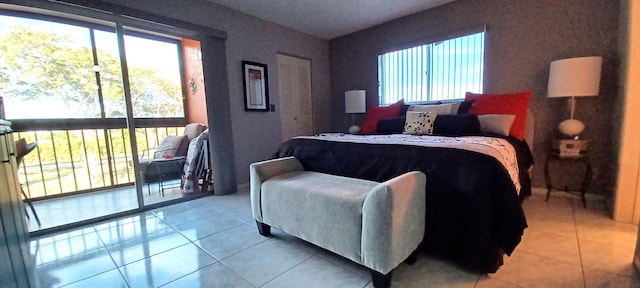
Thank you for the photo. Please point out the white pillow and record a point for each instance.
(496, 123)
(455, 106)
(419, 123)
(442, 109)
(168, 146)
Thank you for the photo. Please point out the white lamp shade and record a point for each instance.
(575, 77)
(355, 101)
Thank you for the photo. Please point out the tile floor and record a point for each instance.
(64, 210)
(213, 242)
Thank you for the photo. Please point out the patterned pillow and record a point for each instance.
(419, 123)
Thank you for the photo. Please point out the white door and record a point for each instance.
(296, 112)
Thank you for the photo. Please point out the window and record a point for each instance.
(443, 70)
(155, 77)
(61, 69)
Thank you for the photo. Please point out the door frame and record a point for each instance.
(278, 53)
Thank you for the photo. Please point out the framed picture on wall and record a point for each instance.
(256, 88)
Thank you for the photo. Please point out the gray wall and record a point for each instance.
(523, 37)
(256, 135)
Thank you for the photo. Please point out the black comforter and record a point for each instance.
(473, 213)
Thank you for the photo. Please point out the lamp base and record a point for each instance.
(354, 129)
(571, 127)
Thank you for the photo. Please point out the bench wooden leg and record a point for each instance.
(263, 229)
(381, 280)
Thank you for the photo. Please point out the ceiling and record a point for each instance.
(328, 19)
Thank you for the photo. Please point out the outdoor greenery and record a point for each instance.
(39, 65)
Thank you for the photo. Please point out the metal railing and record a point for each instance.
(83, 160)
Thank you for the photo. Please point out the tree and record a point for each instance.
(44, 67)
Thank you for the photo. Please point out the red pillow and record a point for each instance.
(516, 104)
(374, 115)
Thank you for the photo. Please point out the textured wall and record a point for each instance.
(522, 38)
(256, 135)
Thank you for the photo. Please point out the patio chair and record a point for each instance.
(169, 158)
(22, 149)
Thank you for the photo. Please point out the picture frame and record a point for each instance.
(255, 81)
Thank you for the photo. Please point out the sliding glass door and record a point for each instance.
(62, 85)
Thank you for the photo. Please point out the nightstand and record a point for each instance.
(569, 174)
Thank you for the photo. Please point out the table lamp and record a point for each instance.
(574, 77)
(355, 102)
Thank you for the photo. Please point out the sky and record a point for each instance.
(138, 51)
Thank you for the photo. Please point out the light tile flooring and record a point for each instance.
(213, 242)
(64, 210)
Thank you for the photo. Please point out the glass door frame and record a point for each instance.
(122, 23)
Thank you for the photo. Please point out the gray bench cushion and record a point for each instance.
(323, 209)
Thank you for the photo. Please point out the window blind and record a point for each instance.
(441, 70)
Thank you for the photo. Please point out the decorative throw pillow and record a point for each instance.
(441, 109)
(419, 123)
(456, 125)
(464, 107)
(515, 104)
(393, 125)
(193, 130)
(496, 123)
(455, 106)
(376, 113)
(405, 108)
(169, 146)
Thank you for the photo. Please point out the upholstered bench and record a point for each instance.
(378, 225)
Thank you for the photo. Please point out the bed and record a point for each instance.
(473, 200)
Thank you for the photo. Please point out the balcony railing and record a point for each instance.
(84, 160)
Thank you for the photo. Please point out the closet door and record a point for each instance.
(294, 79)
